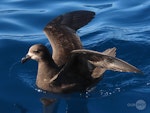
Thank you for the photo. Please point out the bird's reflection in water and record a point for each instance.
(73, 105)
(20, 108)
(49, 105)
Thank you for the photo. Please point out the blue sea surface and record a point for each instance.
(124, 24)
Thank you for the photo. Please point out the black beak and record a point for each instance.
(24, 59)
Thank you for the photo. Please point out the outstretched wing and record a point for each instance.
(62, 36)
(108, 62)
(73, 20)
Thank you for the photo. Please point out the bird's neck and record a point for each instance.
(46, 71)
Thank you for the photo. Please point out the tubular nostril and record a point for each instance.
(24, 59)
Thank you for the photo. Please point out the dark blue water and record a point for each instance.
(124, 24)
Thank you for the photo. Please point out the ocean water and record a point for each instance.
(124, 24)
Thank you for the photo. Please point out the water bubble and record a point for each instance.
(118, 89)
(148, 83)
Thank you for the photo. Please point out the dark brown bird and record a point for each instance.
(70, 67)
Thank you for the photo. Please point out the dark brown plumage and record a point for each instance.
(70, 67)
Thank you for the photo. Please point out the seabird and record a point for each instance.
(70, 67)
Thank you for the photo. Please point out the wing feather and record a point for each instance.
(108, 62)
(61, 34)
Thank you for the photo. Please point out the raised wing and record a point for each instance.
(73, 20)
(62, 36)
(107, 62)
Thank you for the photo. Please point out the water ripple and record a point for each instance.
(120, 23)
(21, 11)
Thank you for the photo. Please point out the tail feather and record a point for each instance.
(110, 52)
(98, 71)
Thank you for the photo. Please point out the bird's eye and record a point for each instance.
(36, 51)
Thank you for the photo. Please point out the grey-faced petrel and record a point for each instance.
(71, 67)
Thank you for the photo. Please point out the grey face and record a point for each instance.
(36, 52)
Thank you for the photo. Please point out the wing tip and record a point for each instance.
(75, 19)
(139, 71)
(92, 13)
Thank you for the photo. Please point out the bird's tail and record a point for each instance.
(98, 71)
